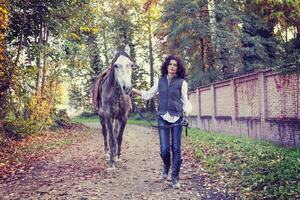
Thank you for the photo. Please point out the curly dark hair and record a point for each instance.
(181, 73)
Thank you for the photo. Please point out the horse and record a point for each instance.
(111, 101)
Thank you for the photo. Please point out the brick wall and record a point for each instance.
(247, 97)
(224, 100)
(262, 105)
(206, 96)
(282, 96)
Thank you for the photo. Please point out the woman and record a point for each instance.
(173, 104)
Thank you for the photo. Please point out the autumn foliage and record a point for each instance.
(3, 27)
(19, 156)
(37, 115)
(24, 109)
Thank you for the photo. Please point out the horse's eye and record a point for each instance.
(115, 66)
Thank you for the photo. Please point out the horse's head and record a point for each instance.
(123, 70)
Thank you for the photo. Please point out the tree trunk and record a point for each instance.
(206, 51)
(105, 48)
(214, 36)
(297, 45)
(46, 34)
(21, 39)
(202, 54)
(38, 61)
(151, 59)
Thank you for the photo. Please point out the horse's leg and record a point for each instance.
(112, 144)
(120, 136)
(104, 133)
(116, 133)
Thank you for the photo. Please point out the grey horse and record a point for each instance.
(111, 100)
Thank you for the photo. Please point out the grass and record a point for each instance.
(91, 119)
(259, 169)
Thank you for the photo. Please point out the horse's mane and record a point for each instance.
(96, 93)
(103, 74)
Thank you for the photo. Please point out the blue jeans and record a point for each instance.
(175, 145)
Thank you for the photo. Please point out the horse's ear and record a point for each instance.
(127, 49)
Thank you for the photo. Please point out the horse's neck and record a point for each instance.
(111, 85)
(111, 77)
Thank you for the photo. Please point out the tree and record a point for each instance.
(35, 87)
(226, 36)
(5, 72)
(284, 16)
(186, 30)
(260, 48)
(152, 16)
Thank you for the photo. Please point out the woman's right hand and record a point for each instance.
(136, 91)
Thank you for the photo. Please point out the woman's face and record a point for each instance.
(172, 67)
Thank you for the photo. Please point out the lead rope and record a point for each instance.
(184, 121)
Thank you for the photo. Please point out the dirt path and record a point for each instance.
(79, 172)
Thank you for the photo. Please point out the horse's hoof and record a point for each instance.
(107, 155)
(111, 168)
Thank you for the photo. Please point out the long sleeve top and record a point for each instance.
(187, 106)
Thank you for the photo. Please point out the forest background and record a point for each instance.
(51, 51)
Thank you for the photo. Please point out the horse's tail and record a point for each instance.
(96, 95)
